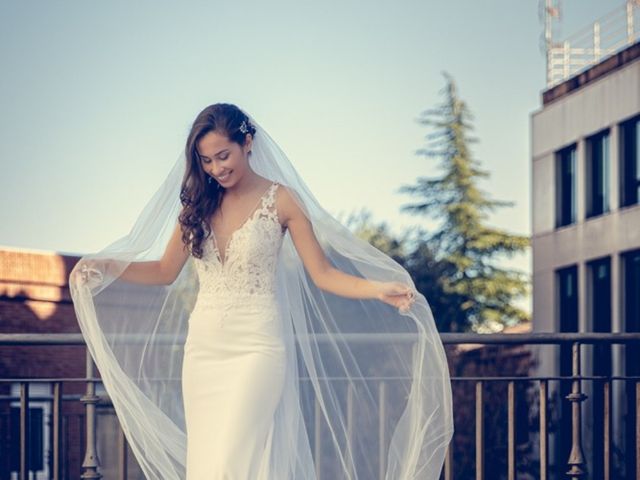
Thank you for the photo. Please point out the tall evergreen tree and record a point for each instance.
(480, 294)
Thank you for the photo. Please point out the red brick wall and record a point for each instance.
(34, 298)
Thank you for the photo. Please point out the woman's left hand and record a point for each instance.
(397, 294)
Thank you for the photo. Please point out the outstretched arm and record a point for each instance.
(163, 271)
(156, 272)
(323, 274)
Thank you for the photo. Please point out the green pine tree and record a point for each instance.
(479, 294)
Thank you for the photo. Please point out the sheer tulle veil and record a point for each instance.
(367, 391)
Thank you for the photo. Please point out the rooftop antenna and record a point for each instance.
(549, 12)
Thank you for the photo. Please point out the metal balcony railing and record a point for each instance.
(589, 46)
(574, 466)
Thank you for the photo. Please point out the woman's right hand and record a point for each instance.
(89, 272)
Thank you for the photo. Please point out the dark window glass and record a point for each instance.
(597, 181)
(631, 322)
(600, 294)
(567, 294)
(567, 279)
(631, 305)
(600, 312)
(35, 461)
(630, 162)
(566, 186)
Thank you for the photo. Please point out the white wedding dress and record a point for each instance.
(242, 368)
(234, 358)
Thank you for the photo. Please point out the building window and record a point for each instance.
(631, 321)
(567, 281)
(566, 186)
(630, 162)
(567, 292)
(597, 172)
(631, 302)
(567, 301)
(599, 274)
(600, 294)
(39, 420)
(35, 461)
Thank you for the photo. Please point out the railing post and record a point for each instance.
(479, 431)
(606, 460)
(382, 433)
(350, 427)
(511, 430)
(448, 462)
(576, 457)
(123, 469)
(91, 463)
(25, 429)
(544, 448)
(57, 428)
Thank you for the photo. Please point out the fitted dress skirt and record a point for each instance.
(232, 380)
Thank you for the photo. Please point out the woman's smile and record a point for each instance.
(224, 177)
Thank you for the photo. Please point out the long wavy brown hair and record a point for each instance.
(200, 198)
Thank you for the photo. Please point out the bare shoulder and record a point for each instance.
(287, 205)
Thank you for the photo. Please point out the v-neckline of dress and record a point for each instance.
(252, 213)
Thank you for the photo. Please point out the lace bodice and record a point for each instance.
(250, 257)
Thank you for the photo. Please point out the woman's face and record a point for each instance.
(224, 160)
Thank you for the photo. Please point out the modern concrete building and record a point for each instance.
(585, 170)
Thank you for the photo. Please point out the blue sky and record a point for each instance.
(97, 99)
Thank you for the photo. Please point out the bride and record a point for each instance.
(243, 333)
